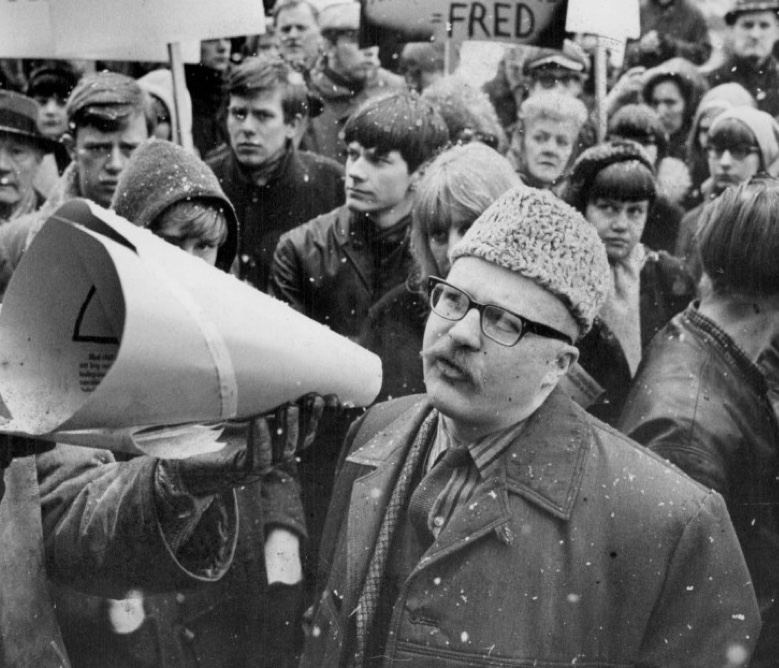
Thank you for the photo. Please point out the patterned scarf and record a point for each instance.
(368, 602)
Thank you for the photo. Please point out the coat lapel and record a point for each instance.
(384, 454)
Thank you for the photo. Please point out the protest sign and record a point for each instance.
(540, 22)
(108, 332)
(25, 29)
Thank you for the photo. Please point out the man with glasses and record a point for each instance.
(109, 116)
(492, 521)
(741, 142)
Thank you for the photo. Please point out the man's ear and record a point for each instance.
(69, 142)
(566, 357)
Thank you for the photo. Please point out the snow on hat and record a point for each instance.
(107, 94)
(161, 174)
(537, 235)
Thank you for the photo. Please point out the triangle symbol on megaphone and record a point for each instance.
(92, 323)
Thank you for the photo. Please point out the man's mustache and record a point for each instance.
(458, 357)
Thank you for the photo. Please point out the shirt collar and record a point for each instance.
(485, 452)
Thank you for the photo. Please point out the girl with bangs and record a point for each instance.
(613, 185)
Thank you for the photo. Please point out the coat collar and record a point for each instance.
(545, 465)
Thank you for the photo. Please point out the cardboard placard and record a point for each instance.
(106, 327)
(515, 21)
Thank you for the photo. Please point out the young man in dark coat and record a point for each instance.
(335, 267)
(540, 536)
(705, 394)
(273, 186)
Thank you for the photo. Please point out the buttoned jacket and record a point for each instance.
(583, 549)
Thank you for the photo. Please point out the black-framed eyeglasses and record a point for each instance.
(497, 323)
(739, 151)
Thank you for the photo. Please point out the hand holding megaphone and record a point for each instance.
(252, 448)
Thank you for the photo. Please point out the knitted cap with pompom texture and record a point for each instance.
(538, 236)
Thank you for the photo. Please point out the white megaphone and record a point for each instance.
(105, 328)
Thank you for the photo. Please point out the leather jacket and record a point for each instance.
(698, 401)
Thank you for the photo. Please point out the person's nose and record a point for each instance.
(51, 107)
(116, 160)
(6, 164)
(356, 169)
(620, 221)
(726, 159)
(467, 332)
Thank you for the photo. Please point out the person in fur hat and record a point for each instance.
(492, 521)
(613, 186)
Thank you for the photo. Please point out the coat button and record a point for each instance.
(438, 521)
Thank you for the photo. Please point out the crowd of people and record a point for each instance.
(574, 454)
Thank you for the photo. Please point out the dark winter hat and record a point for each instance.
(745, 6)
(108, 95)
(52, 80)
(161, 174)
(640, 123)
(535, 234)
(594, 160)
(19, 116)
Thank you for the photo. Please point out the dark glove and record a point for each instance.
(12, 446)
(251, 450)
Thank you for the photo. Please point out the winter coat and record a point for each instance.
(394, 330)
(682, 30)
(761, 82)
(584, 549)
(340, 100)
(335, 267)
(701, 403)
(305, 186)
(665, 290)
(83, 520)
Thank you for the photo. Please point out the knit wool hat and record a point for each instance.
(538, 236)
(762, 126)
(161, 174)
(106, 94)
(594, 160)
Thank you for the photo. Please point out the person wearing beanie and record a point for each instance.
(640, 123)
(613, 185)
(707, 395)
(491, 520)
(741, 142)
(713, 103)
(109, 116)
